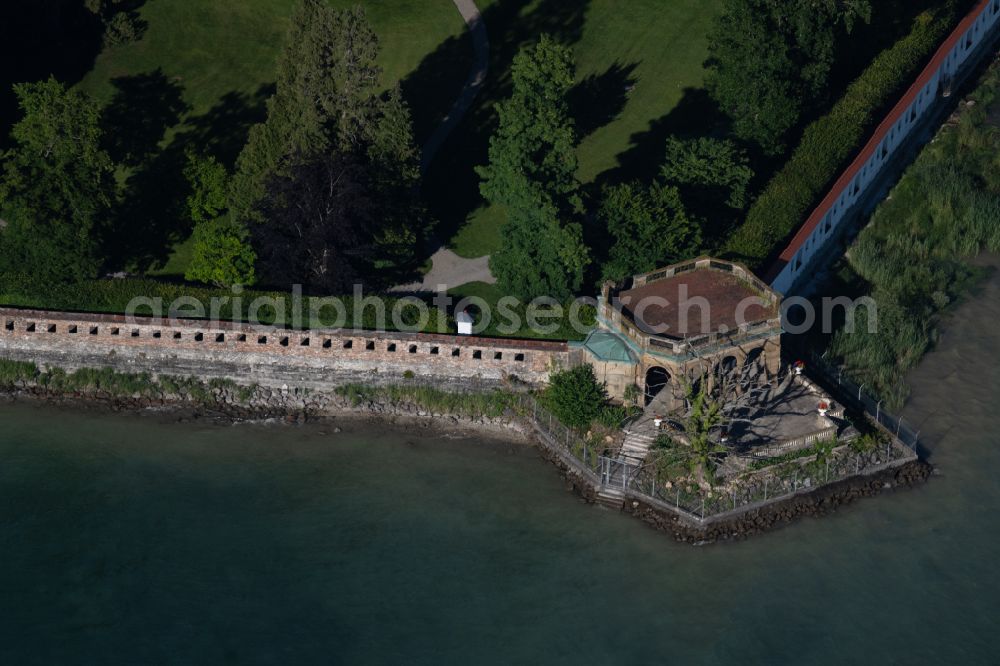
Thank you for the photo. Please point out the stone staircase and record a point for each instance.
(641, 434)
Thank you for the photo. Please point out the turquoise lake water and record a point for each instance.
(128, 539)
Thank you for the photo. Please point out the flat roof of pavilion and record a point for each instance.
(695, 302)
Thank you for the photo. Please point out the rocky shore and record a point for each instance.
(229, 402)
(291, 406)
(820, 502)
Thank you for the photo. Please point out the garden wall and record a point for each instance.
(270, 356)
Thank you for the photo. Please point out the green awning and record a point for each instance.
(606, 346)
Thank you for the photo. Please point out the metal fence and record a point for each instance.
(587, 455)
(599, 464)
(851, 394)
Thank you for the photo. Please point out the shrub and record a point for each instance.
(575, 396)
(490, 403)
(12, 372)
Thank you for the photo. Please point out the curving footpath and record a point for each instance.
(477, 77)
(449, 269)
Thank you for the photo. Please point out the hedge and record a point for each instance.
(831, 142)
(114, 296)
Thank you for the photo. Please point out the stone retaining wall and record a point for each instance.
(269, 355)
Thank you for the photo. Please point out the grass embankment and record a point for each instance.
(490, 404)
(913, 256)
(831, 142)
(115, 384)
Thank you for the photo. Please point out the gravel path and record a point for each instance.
(448, 269)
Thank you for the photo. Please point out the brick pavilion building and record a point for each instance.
(689, 320)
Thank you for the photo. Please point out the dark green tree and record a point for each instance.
(708, 172)
(327, 102)
(648, 228)
(575, 396)
(531, 175)
(323, 216)
(57, 188)
(712, 176)
(771, 59)
(209, 181)
(223, 254)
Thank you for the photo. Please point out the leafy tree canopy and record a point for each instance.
(772, 58)
(708, 171)
(208, 180)
(323, 215)
(57, 186)
(327, 102)
(531, 174)
(648, 227)
(223, 255)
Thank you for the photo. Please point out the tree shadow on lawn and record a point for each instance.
(152, 215)
(600, 98)
(696, 114)
(144, 106)
(451, 185)
(222, 130)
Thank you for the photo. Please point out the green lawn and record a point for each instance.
(212, 48)
(641, 66)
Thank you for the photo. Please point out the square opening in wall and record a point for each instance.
(221, 337)
(498, 356)
(157, 334)
(391, 347)
(435, 351)
(51, 328)
(115, 331)
(177, 335)
(198, 337)
(305, 342)
(413, 349)
(519, 358)
(262, 339)
(135, 333)
(283, 342)
(242, 337)
(93, 330)
(456, 352)
(30, 328)
(72, 329)
(9, 326)
(370, 345)
(478, 354)
(348, 344)
(327, 344)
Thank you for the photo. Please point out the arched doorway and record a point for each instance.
(726, 366)
(657, 379)
(755, 365)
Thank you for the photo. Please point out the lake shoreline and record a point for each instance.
(508, 428)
